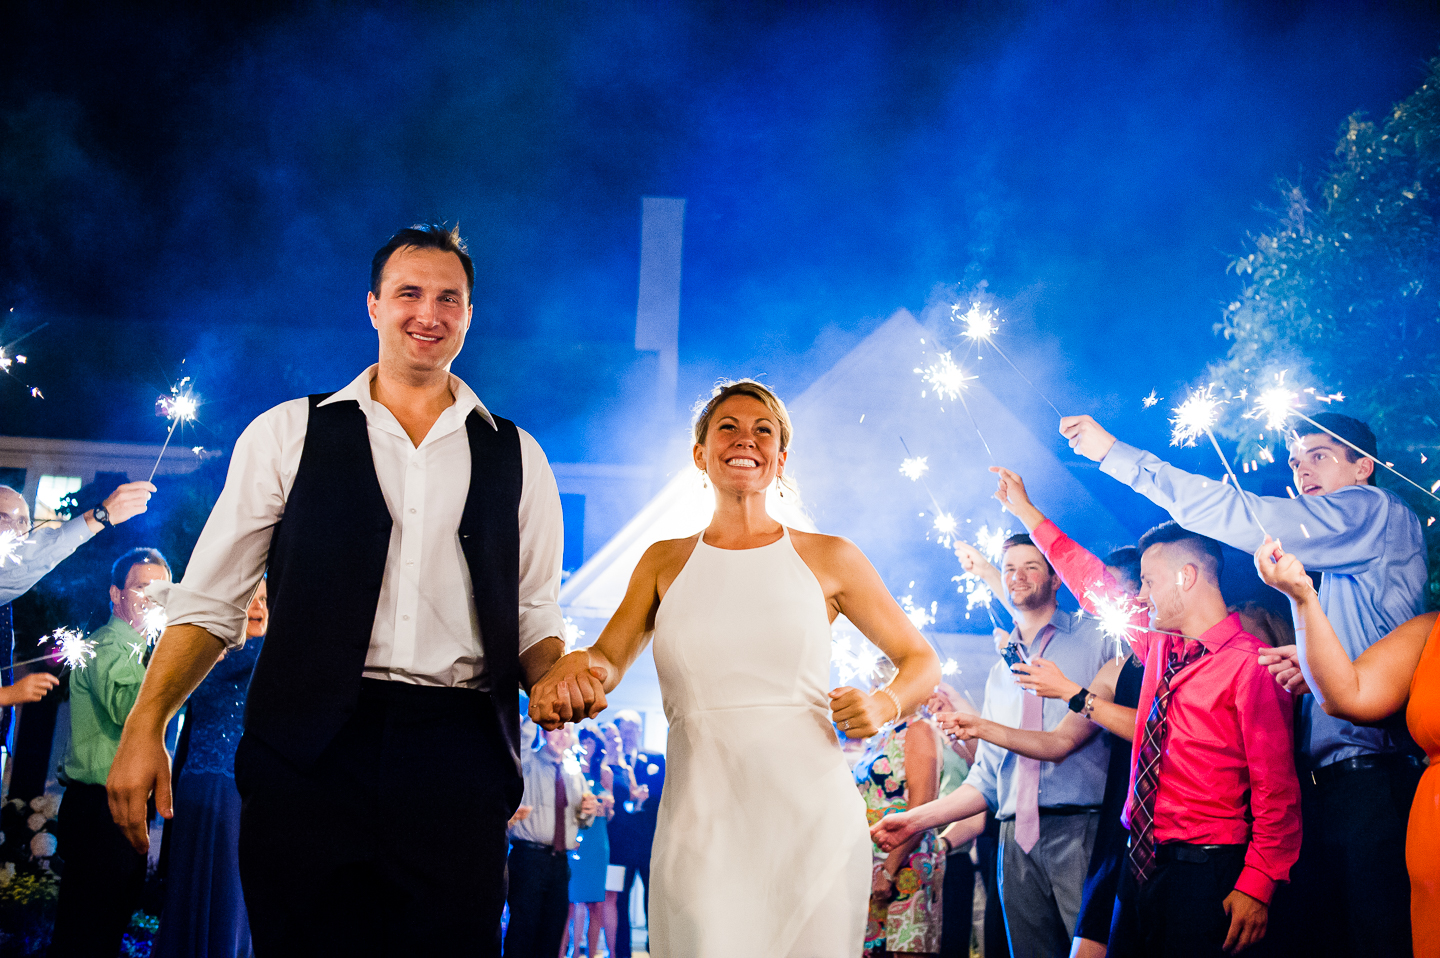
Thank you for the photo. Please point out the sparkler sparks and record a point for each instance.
(1116, 617)
(1150, 400)
(915, 467)
(951, 667)
(1194, 417)
(919, 616)
(979, 322)
(10, 545)
(71, 647)
(154, 624)
(180, 406)
(573, 634)
(992, 544)
(860, 661)
(945, 525)
(945, 377)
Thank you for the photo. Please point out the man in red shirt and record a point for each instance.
(1214, 805)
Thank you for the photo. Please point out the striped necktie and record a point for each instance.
(1147, 768)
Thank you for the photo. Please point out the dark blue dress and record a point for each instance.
(204, 914)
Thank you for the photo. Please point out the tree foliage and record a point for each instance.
(1342, 294)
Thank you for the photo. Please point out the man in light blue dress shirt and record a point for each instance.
(1350, 883)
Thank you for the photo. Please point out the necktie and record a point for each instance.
(561, 800)
(1147, 768)
(1027, 773)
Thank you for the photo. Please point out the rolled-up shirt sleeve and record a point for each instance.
(42, 550)
(234, 547)
(1342, 532)
(542, 547)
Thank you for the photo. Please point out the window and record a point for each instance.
(52, 498)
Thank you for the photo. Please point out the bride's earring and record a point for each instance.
(704, 479)
(779, 486)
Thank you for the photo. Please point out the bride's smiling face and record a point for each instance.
(741, 452)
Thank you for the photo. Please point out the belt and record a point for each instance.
(537, 846)
(1360, 763)
(1196, 854)
(1068, 809)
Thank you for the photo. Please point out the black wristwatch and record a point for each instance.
(1077, 701)
(102, 516)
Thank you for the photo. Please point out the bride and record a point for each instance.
(761, 846)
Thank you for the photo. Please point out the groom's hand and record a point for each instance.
(141, 766)
(569, 692)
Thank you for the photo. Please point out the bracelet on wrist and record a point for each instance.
(1089, 705)
(894, 698)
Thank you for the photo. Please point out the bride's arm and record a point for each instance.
(575, 686)
(856, 591)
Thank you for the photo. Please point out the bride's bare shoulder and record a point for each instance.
(821, 545)
(668, 555)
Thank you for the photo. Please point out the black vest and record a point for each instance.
(327, 560)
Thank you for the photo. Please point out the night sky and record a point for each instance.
(210, 186)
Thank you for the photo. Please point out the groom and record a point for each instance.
(413, 543)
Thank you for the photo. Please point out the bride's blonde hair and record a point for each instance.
(704, 412)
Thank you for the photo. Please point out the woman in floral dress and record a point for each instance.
(901, 770)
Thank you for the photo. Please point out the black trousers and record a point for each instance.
(393, 843)
(1179, 911)
(103, 879)
(1349, 894)
(957, 906)
(622, 905)
(539, 902)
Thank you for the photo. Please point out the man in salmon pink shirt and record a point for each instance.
(1214, 804)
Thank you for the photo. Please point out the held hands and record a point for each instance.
(128, 501)
(1284, 664)
(569, 692)
(1045, 679)
(892, 831)
(858, 714)
(881, 888)
(31, 688)
(1248, 918)
(1087, 437)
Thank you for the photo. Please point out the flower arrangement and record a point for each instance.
(29, 885)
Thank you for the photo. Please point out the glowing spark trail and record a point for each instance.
(154, 624)
(991, 543)
(945, 524)
(1150, 400)
(919, 616)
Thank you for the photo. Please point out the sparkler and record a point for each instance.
(180, 406)
(10, 544)
(951, 667)
(153, 625)
(1150, 400)
(980, 326)
(1195, 417)
(854, 663)
(71, 647)
(991, 543)
(919, 616)
(914, 467)
(949, 382)
(9, 358)
(1277, 404)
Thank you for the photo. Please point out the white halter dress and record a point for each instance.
(762, 846)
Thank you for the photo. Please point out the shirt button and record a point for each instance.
(412, 512)
(409, 561)
(404, 618)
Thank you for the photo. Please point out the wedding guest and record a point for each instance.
(1350, 885)
(1401, 671)
(592, 906)
(632, 830)
(541, 843)
(900, 771)
(204, 914)
(104, 874)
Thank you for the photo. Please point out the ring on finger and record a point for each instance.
(845, 725)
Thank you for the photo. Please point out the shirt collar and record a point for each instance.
(1222, 632)
(1062, 620)
(358, 390)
